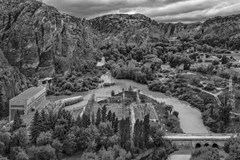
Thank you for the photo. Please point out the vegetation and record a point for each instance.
(205, 153)
(232, 148)
(55, 134)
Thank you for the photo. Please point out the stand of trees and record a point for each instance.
(205, 153)
(55, 134)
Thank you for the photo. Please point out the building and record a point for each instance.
(46, 82)
(28, 101)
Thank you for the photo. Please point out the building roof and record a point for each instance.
(27, 94)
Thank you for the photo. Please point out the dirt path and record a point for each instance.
(215, 95)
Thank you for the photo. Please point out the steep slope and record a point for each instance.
(123, 28)
(221, 31)
(36, 38)
(215, 32)
(11, 83)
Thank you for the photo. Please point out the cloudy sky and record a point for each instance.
(161, 10)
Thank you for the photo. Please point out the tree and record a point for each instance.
(109, 116)
(86, 120)
(112, 93)
(156, 64)
(20, 138)
(44, 138)
(146, 133)
(93, 119)
(207, 153)
(159, 153)
(175, 113)
(69, 144)
(22, 156)
(4, 142)
(224, 114)
(136, 134)
(15, 152)
(104, 113)
(99, 117)
(57, 145)
(35, 127)
(224, 59)
(43, 152)
(17, 123)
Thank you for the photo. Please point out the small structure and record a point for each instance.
(46, 82)
(28, 101)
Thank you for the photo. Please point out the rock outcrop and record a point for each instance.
(216, 32)
(37, 38)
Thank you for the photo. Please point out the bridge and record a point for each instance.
(198, 140)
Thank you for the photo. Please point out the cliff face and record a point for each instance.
(12, 82)
(219, 29)
(36, 38)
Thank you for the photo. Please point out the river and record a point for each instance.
(190, 118)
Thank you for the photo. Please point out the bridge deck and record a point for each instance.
(189, 137)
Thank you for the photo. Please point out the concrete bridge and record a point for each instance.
(198, 140)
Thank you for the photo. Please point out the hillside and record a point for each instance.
(217, 31)
(37, 41)
(37, 38)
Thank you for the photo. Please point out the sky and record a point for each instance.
(161, 10)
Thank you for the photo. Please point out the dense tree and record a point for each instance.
(205, 153)
(4, 142)
(99, 117)
(43, 152)
(86, 120)
(44, 138)
(109, 116)
(224, 59)
(17, 122)
(224, 114)
(146, 131)
(137, 134)
(35, 127)
(104, 113)
(69, 144)
(20, 138)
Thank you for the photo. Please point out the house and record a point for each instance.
(46, 82)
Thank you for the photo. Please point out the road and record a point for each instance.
(215, 95)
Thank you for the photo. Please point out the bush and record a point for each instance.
(215, 62)
(68, 92)
(68, 86)
(209, 87)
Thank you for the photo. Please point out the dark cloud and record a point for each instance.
(162, 10)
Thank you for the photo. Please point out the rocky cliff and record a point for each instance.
(36, 38)
(216, 32)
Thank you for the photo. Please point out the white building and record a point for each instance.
(27, 101)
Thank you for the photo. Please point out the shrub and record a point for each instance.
(68, 92)
(215, 62)
(68, 86)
